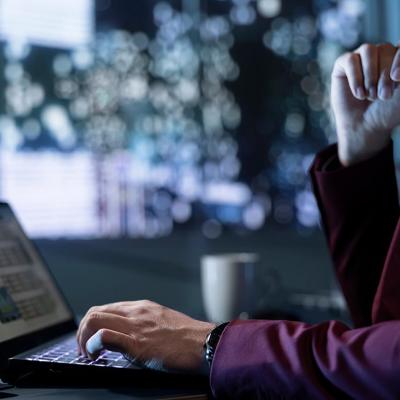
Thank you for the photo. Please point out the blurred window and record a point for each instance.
(60, 23)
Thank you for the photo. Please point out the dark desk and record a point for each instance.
(144, 386)
(97, 394)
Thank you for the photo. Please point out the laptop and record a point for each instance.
(37, 326)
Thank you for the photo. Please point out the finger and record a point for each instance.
(386, 85)
(78, 333)
(370, 63)
(121, 308)
(77, 342)
(107, 339)
(96, 321)
(395, 69)
(349, 66)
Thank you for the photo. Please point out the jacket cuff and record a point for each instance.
(327, 161)
(344, 189)
(233, 357)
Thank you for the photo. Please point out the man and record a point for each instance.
(356, 190)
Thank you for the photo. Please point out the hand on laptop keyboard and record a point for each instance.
(146, 333)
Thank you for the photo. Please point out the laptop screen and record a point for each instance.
(29, 298)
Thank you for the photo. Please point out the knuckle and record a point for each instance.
(344, 57)
(386, 48)
(133, 344)
(367, 48)
(353, 57)
(92, 319)
(339, 63)
(349, 61)
(103, 334)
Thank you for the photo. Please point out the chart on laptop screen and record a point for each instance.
(29, 300)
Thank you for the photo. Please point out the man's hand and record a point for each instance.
(146, 333)
(366, 100)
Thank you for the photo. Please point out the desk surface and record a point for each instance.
(154, 389)
(98, 394)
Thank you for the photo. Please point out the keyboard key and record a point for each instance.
(66, 359)
(83, 362)
(102, 362)
(54, 354)
(67, 352)
(120, 363)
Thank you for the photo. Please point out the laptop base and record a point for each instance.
(25, 373)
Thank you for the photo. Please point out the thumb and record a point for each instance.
(107, 339)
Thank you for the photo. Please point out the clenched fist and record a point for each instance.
(366, 100)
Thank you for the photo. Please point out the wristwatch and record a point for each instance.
(211, 342)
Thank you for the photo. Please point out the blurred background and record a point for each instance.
(137, 136)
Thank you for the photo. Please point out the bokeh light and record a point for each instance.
(157, 116)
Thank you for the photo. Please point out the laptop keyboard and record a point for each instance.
(66, 353)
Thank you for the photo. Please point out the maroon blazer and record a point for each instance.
(282, 359)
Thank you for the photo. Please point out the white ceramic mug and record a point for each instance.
(228, 285)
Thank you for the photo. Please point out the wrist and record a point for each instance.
(199, 333)
(349, 157)
(353, 149)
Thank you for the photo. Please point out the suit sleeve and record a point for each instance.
(359, 209)
(292, 360)
(282, 359)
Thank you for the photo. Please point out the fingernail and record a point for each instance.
(94, 345)
(360, 92)
(395, 74)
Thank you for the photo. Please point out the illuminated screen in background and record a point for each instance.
(121, 118)
(61, 24)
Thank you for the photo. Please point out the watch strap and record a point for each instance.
(212, 340)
